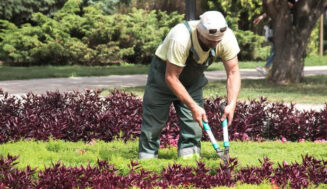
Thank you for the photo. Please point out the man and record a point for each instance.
(176, 76)
(269, 37)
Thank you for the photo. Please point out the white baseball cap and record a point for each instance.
(212, 25)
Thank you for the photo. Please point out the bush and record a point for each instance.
(250, 45)
(85, 116)
(104, 175)
(11, 177)
(108, 6)
(313, 42)
(249, 42)
(20, 11)
(85, 36)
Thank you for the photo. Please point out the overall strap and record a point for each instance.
(212, 52)
(211, 57)
(192, 49)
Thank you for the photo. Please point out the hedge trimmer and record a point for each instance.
(224, 155)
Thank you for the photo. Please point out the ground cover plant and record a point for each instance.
(311, 172)
(85, 116)
(41, 154)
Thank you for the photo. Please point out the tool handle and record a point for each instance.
(209, 132)
(225, 126)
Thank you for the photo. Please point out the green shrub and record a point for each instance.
(85, 36)
(250, 45)
(19, 46)
(241, 11)
(249, 42)
(313, 44)
(20, 11)
(108, 6)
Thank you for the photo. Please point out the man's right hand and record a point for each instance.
(199, 115)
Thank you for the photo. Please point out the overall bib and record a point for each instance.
(158, 98)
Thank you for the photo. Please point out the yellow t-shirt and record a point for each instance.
(176, 46)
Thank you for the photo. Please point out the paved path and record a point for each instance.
(40, 86)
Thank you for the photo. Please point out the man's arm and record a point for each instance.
(259, 19)
(233, 88)
(172, 80)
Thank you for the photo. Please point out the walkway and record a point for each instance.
(40, 86)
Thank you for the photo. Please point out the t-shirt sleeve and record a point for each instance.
(229, 48)
(177, 53)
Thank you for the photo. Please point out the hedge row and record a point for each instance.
(311, 172)
(85, 35)
(88, 36)
(85, 116)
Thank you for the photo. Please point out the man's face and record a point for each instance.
(208, 43)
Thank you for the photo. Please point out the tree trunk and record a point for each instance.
(190, 9)
(291, 35)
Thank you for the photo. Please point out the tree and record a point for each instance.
(292, 31)
(20, 11)
(240, 12)
(108, 6)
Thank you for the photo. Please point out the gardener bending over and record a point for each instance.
(176, 76)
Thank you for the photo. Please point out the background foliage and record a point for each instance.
(101, 32)
(238, 12)
(85, 36)
(20, 11)
(108, 6)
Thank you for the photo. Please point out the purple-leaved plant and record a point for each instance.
(312, 171)
(76, 116)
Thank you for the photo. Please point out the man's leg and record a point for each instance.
(155, 114)
(190, 131)
(270, 58)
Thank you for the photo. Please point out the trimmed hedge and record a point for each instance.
(85, 116)
(87, 36)
(20, 11)
(311, 172)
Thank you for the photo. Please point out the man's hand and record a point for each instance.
(199, 115)
(228, 113)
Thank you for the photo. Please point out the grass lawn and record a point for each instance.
(13, 73)
(33, 72)
(40, 154)
(311, 91)
(309, 61)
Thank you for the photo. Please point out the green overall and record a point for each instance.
(158, 98)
